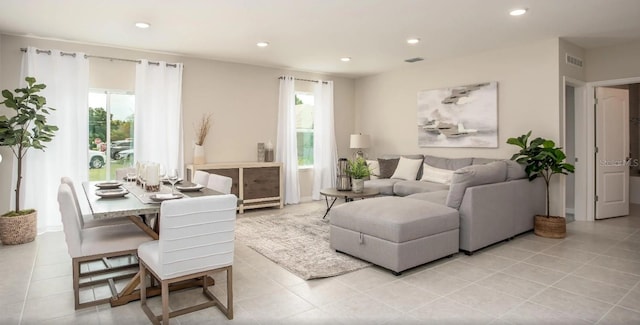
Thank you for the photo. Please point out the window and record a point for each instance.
(110, 143)
(304, 128)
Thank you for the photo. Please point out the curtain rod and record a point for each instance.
(308, 80)
(86, 56)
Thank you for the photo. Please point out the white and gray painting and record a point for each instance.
(464, 116)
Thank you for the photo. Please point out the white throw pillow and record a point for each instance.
(374, 169)
(436, 175)
(407, 169)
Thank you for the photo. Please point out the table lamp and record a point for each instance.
(359, 141)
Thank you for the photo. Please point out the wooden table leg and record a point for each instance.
(144, 227)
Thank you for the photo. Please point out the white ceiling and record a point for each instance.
(312, 35)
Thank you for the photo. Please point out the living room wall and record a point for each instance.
(243, 99)
(613, 62)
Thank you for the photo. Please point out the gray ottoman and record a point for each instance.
(394, 232)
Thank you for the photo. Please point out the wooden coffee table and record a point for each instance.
(347, 195)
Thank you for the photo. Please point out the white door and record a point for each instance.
(612, 142)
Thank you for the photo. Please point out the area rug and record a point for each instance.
(299, 242)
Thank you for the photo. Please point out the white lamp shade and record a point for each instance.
(359, 141)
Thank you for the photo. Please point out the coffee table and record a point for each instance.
(347, 195)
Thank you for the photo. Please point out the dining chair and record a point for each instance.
(91, 222)
(196, 240)
(96, 244)
(220, 183)
(200, 177)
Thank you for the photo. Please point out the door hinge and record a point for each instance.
(596, 149)
(596, 198)
(596, 101)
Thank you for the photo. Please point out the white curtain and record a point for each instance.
(158, 118)
(287, 145)
(325, 151)
(67, 79)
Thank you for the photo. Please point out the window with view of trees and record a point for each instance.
(304, 128)
(110, 143)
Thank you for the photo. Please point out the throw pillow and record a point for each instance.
(436, 175)
(374, 169)
(387, 167)
(407, 169)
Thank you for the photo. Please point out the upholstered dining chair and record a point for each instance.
(200, 177)
(96, 244)
(220, 183)
(91, 222)
(196, 239)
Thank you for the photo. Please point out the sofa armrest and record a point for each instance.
(494, 212)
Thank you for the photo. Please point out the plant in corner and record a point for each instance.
(358, 170)
(26, 129)
(542, 158)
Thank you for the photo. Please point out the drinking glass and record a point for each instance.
(162, 174)
(173, 178)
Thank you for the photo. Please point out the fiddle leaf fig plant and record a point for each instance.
(540, 157)
(27, 128)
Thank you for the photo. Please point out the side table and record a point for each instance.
(347, 195)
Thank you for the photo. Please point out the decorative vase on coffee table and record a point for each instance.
(357, 185)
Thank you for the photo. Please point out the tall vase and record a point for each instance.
(198, 155)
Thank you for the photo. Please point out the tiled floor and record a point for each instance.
(592, 276)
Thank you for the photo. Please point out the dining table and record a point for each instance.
(134, 203)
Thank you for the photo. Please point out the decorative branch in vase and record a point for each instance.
(202, 129)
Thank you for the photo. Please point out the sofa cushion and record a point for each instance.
(395, 219)
(374, 169)
(436, 175)
(387, 166)
(439, 197)
(383, 185)
(407, 169)
(404, 188)
(494, 172)
(515, 170)
(447, 163)
(482, 161)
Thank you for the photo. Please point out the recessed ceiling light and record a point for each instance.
(142, 25)
(413, 41)
(518, 12)
(345, 59)
(262, 44)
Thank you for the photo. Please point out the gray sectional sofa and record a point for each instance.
(492, 200)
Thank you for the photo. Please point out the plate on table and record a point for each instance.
(109, 193)
(189, 188)
(166, 181)
(164, 197)
(109, 185)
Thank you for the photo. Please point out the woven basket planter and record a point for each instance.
(18, 230)
(550, 226)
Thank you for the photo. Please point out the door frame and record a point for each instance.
(580, 144)
(590, 138)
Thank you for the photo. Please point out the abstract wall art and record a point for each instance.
(463, 117)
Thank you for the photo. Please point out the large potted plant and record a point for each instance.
(542, 158)
(358, 170)
(27, 128)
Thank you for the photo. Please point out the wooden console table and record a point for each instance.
(257, 184)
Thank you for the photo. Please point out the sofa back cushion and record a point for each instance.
(447, 163)
(494, 172)
(407, 169)
(515, 170)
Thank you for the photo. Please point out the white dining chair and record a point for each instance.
(200, 177)
(196, 240)
(90, 223)
(220, 183)
(96, 244)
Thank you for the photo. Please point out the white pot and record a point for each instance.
(357, 185)
(198, 155)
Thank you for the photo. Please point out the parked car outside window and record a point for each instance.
(117, 146)
(96, 159)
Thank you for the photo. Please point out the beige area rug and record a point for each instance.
(299, 242)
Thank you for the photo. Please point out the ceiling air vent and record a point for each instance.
(414, 60)
(574, 61)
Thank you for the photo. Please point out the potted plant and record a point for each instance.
(26, 129)
(358, 170)
(542, 158)
(202, 129)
